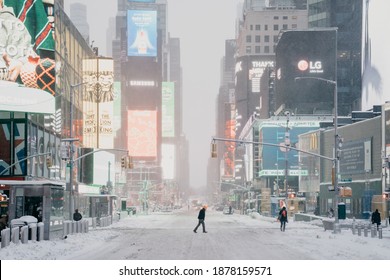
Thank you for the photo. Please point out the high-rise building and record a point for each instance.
(347, 16)
(78, 15)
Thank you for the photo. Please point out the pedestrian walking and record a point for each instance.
(201, 217)
(283, 218)
(376, 218)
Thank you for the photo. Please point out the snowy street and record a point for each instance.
(170, 236)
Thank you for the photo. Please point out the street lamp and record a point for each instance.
(336, 140)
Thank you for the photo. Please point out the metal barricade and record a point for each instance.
(15, 235)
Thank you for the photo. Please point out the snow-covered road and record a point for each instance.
(169, 236)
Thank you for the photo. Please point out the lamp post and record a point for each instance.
(336, 159)
(71, 156)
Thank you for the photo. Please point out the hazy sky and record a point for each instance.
(202, 26)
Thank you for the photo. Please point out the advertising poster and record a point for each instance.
(142, 33)
(98, 103)
(168, 109)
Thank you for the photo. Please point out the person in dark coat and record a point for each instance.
(283, 218)
(376, 218)
(76, 215)
(201, 217)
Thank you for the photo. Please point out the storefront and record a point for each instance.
(42, 199)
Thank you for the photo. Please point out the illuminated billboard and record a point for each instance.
(168, 109)
(142, 133)
(98, 103)
(311, 54)
(141, 33)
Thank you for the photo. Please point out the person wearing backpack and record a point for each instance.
(283, 218)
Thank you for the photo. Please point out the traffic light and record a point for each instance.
(123, 162)
(213, 150)
(49, 162)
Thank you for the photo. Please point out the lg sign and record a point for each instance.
(312, 66)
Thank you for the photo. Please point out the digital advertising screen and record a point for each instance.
(310, 56)
(142, 33)
(142, 133)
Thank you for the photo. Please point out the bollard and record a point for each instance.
(40, 231)
(65, 227)
(86, 226)
(24, 234)
(15, 235)
(365, 231)
(353, 226)
(5, 237)
(82, 224)
(74, 227)
(359, 229)
(33, 231)
(380, 232)
(373, 231)
(94, 222)
(78, 227)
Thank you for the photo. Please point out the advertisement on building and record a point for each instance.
(98, 103)
(230, 133)
(275, 160)
(375, 55)
(117, 107)
(168, 109)
(309, 53)
(142, 133)
(141, 33)
(26, 58)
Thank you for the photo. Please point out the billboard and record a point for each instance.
(168, 109)
(141, 33)
(142, 133)
(311, 54)
(274, 159)
(375, 55)
(98, 103)
(27, 44)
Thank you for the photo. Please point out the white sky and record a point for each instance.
(202, 26)
(169, 239)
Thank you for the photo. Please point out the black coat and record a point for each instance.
(281, 217)
(376, 217)
(77, 216)
(202, 214)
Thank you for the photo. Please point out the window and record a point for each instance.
(257, 27)
(285, 26)
(251, 27)
(266, 38)
(266, 27)
(257, 49)
(275, 38)
(276, 27)
(285, 17)
(294, 26)
(266, 49)
(248, 38)
(257, 39)
(248, 49)
(276, 17)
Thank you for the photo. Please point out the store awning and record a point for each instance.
(17, 98)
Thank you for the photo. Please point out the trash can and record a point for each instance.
(341, 211)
